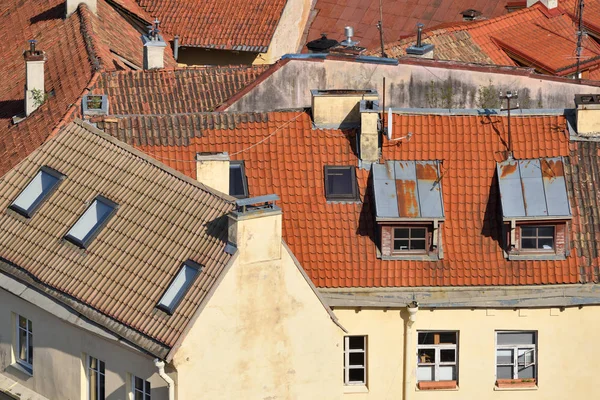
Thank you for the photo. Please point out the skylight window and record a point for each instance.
(38, 189)
(238, 185)
(92, 220)
(179, 286)
(340, 183)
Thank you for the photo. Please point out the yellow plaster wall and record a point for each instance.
(335, 110)
(567, 351)
(263, 335)
(588, 121)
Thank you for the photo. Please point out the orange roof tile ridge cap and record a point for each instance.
(87, 31)
(149, 159)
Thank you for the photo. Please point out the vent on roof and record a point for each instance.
(470, 14)
(420, 49)
(321, 45)
(38, 189)
(91, 222)
(179, 286)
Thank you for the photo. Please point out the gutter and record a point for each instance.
(170, 383)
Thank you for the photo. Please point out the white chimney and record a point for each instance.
(34, 78)
(588, 114)
(213, 171)
(73, 4)
(154, 48)
(548, 3)
(368, 141)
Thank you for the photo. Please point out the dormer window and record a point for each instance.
(409, 209)
(38, 190)
(179, 286)
(340, 183)
(238, 184)
(535, 208)
(91, 222)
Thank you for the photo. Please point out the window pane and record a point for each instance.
(546, 231)
(504, 356)
(93, 386)
(101, 394)
(356, 342)
(93, 217)
(516, 338)
(447, 373)
(35, 191)
(528, 243)
(425, 373)
(525, 373)
(417, 244)
(426, 356)
(356, 374)
(30, 352)
(101, 363)
(546, 243)
(448, 337)
(93, 363)
(139, 383)
(22, 322)
(340, 182)
(179, 286)
(418, 233)
(357, 359)
(447, 355)
(426, 337)
(236, 181)
(528, 231)
(525, 357)
(147, 390)
(23, 345)
(400, 233)
(504, 372)
(139, 395)
(401, 244)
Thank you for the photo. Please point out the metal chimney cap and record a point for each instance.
(349, 32)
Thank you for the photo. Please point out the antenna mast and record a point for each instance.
(580, 33)
(508, 96)
(380, 27)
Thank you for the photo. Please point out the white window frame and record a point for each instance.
(28, 344)
(438, 363)
(348, 366)
(144, 393)
(101, 376)
(517, 350)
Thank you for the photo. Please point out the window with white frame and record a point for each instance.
(25, 343)
(140, 388)
(96, 379)
(516, 355)
(437, 356)
(355, 360)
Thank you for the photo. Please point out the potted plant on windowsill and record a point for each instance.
(436, 385)
(515, 383)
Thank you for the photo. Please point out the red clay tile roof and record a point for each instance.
(169, 91)
(245, 25)
(591, 13)
(400, 17)
(127, 268)
(516, 35)
(335, 242)
(76, 47)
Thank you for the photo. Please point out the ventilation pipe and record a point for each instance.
(176, 47)
(154, 47)
(73, 4)
(34, 78)
(412, 309)
(420, 50)
(349, 32)
(170, 383)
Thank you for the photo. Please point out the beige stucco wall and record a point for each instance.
(567, 353)
(588, 121)
(57, 355)
(263, 335)
(336, 110)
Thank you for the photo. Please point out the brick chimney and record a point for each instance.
(548, 3)
(368, 141)
(212, 169)
(255, 229)
(34, 78)
(73, 4)
(154, 48)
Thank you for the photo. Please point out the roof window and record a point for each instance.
(95, 104)
(340, 184)
(238, 184)
(38, 189)
(179, 286)
(92, 220)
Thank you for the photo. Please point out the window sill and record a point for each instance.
(537, 256)
(515, 384)
(437, 385)
(356, 389)
(21, 368)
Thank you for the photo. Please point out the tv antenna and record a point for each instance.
(380, 27)
(508, 96)
(580, 33)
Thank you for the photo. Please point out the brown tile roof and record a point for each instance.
(163, 219)
(77, 48)
(335, 241)
(245, 25)
(173, 90)
(516, 35)
(400, 17)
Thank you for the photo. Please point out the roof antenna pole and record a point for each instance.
(508, 96)
(383, 110)
(580, 33)
(380, 27)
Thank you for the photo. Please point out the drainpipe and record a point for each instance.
(170, 383)
(176, 47)
(412, 309)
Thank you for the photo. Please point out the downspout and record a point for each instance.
(170, 383)
(412, 309)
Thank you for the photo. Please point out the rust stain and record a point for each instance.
(507, 169)
(407, 198)
(552, 169)
(427, 172)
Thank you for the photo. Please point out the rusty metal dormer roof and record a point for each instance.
(533, 189)
(408, 191)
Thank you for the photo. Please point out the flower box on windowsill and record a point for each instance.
(515, 383)
(439, 385)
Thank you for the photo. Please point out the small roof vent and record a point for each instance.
(349, 32)
(470, 14)
(321, 45)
